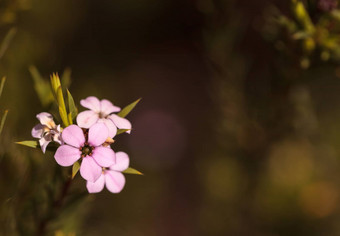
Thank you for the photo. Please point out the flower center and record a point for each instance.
(86, 150)
(104, 169)
(102, 115)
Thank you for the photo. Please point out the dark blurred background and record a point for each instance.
(232, 137)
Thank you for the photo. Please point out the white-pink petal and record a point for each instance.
(122, 162)
(110, 126)
(89, 169)
(106, 107)
(57, 135)
(98, 133)
(46, 119)
(96, 187)
(114, 181)
(37, 131)
(120, 122)
(86, 119)
(104, 156)
(44, 141)
(57, 138)
(73, 135)
(67, 155)
(91, 103)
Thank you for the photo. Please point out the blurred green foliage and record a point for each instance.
(312, 36)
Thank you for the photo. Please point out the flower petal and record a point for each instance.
(110, 126)
(44, 141)
(96, 187)
(122, 162)
(73, 135)
(106, 107)
(104, 156)
(46, 119)
(86, 119)
(98, 133)
(37, 131)
(57, 135)
(67, 155)
(89, 169)
(91, 103)
(120, 122)
(57, 138)
(114, 181)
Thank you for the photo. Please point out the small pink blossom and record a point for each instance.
(112, 176)
(101, 112)
(87, 146)
(47, 131)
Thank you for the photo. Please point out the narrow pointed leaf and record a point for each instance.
(55, 83)
(62, 107)
(303, 17)
(3, 119)
(41, 87)
(126, 110)
(73, 111)
(31, 143)
(2, 84)
(7, 40)
(63, 116)
(60, 98)
(75, 169)
(69, 118)
(66, 78)
(132, 171)
(120, 131)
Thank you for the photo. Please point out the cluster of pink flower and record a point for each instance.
(89, 142)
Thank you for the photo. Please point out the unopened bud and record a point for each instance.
(108, 142)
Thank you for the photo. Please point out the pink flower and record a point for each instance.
(87, 146)
(46, 131)
(112, 176)
(101, 112)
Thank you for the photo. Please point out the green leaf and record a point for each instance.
(31, 143)
(66, 78)
(62, 107)
(2, 84)
(60, 98)
(3, 119)
(41, 86)
(120, 131)
(55, 83)
(63, 116)
(69, 118)
(75, 169)
(132, 171)
(303, 17)
(126, 110)
(7, 40)
(73, 111)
